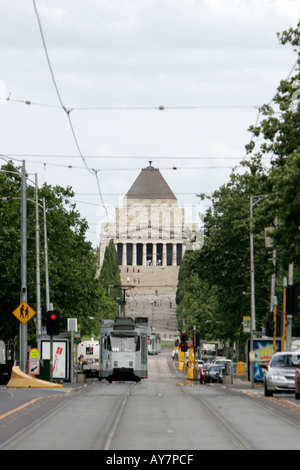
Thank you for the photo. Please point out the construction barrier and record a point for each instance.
(181, 365)
(191, 372)
(19, 379)
(240, 369)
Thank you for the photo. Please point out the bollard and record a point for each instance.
(240, 369)
(181, 365)
(191, 372)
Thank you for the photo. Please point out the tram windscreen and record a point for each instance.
(125, 343)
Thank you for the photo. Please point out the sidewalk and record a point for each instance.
(243, 382)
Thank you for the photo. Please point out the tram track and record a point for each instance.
(114, 425)
(26, 408)
(284, 412)
(220, 422)
(225, 427)
(165, 411)
(236, 437)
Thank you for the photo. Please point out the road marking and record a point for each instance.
(25, 405)
(19, 408)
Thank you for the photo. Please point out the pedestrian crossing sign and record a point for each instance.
(24, 312)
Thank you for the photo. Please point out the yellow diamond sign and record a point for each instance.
(24, 313)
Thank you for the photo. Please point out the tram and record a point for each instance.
(154, 344)
(123, 349)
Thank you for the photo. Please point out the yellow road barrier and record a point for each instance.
(19, 379)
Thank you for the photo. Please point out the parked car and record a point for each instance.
(214, 373)
(222, 360)
(281, 372)
(297, 384)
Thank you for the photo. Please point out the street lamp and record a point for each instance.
(24, 200)
(252, 274)
(23, 293)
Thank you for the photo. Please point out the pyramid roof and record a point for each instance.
(150, 184)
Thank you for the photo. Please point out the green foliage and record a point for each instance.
(214, 280)
(74, 288)
(284, 201)
(110, 273)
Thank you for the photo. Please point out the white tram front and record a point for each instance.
(123, 349)
(154, 344)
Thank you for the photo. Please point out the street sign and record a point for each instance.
(252, 356)
(246, 324)
(24, 313)
(34, 362)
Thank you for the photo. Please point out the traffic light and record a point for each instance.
(291, 300)
(196, 340)
(270, 328)
(269, 325)
(53, 322)
(183, 344)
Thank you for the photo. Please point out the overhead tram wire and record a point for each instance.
(56, 87)
(128, 157)
(92, 171)
(259, 108)
(119, 169)
(135, 108)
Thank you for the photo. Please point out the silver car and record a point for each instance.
(281, 372)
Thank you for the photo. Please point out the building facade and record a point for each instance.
(150, 228)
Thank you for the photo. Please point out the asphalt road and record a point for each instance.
(164, 412)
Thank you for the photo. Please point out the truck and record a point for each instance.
(88, 357)
(5, 364)
(208, 351)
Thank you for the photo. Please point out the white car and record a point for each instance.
(281, 373)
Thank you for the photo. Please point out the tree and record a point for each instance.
(284, 201)
(280, 130)
(10, 277)
(74, 288)
(279, 133)
(221, 268)
(110, 273)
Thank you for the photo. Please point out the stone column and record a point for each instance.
(144, 254)
(154, 254)
(183, 249)
(174, 255)
(164, 254)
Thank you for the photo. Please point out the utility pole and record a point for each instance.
(46, 257)
(283, 314)
(289, 318)
(23, 295)
(252, 282)
(38, 270)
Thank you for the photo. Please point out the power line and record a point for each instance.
(127, 157)
(118, 169)
(259, 114)
(55, 84)
(129, 108)
(92, 171)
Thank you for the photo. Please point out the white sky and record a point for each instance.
(211, 63)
